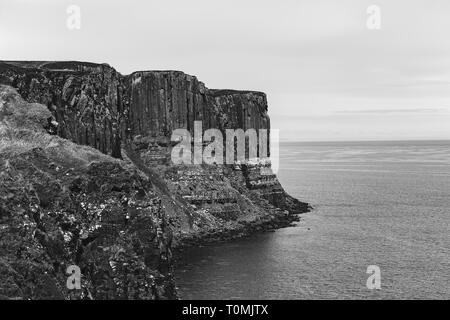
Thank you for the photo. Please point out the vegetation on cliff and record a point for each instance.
(63, 204)
(86, 179)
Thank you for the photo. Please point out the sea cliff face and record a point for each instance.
(94, 105)
(123, 177)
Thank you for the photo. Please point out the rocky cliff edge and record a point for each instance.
(87, 179)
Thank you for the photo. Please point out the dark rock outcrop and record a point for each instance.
(62, 205)
(119, 217)
(95, 105)
(88, 101)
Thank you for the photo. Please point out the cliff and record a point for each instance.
(94, 105)
(91, 176)
(62, 204)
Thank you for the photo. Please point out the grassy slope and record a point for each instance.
(63, 204)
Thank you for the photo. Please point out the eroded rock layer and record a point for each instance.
(63, 205)
(87, 178)
(95, 105)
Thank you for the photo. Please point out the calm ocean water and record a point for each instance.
(376, 203)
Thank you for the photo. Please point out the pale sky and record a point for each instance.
(326, 75)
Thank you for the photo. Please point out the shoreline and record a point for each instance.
(245, 229)
(268, 223)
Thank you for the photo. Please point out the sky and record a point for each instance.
(327, 75)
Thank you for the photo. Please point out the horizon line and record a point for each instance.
(375, 140)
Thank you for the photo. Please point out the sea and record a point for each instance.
(380, 229)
